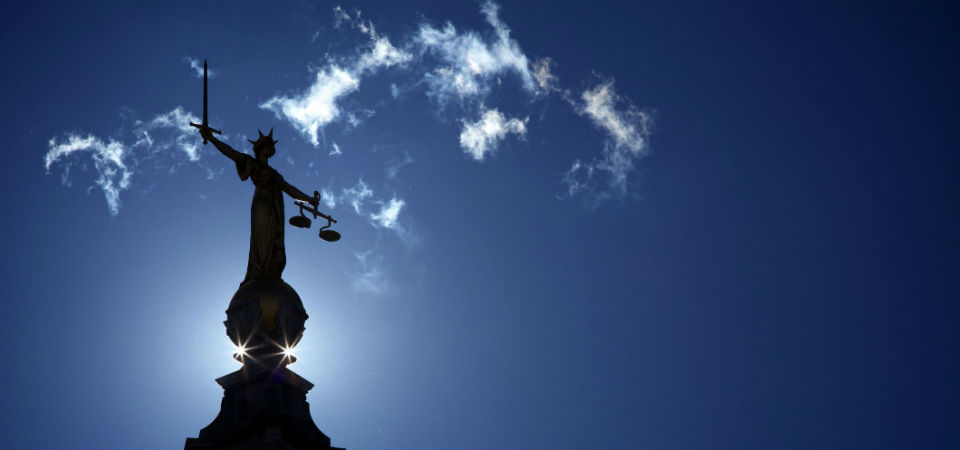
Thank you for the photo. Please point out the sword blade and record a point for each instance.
(205, 123)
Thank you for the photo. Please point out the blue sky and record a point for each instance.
(565, 224)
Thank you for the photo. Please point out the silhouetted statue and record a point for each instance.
(267, 255)
(264, 403)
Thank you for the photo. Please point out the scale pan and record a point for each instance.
(329, 235)
(300, 222)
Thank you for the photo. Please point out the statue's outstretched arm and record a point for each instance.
(227, 150)
(299, 195)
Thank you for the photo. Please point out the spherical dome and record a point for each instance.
(265, 318)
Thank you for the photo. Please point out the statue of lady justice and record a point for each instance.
(266, 315)
(267, 255)
(264, 403)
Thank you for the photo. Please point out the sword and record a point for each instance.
(205, 124)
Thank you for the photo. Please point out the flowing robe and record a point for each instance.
(267, 254)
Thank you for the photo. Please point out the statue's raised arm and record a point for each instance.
(223, 147)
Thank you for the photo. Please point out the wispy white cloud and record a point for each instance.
(455, 64)
(627, 129)
(466, 67)
(197, 67)
(394, 166)
(452, 63)
(177, 122)
(109, 158)
(480, 138)
(116, 161)
(388, 214)
(381, 54)
(356, 195)
(309, 111)
(546, 80)
(579, 178)
(340, 16)
(319, 105)
(371, 277)
(383, 213)
(328, 198)
(468, 62)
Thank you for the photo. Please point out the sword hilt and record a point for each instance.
(203, 126)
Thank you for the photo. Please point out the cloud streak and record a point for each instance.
(481, 138)
(320, 104)
(109, 159)
(543, 73)
(468, 63)
(181, 135)
(364, 202)
(626, 129)
(197, 67)
(458, 67)
(115, 161)
(464, 67)
(453, 64)
(389, 212)
(371, 278)
(355, 196)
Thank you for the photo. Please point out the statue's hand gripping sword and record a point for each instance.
(205, 125)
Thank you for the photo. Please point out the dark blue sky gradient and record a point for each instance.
(782, 272)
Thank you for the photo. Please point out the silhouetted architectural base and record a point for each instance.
(262, 409)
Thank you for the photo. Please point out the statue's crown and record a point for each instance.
(264, 139)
